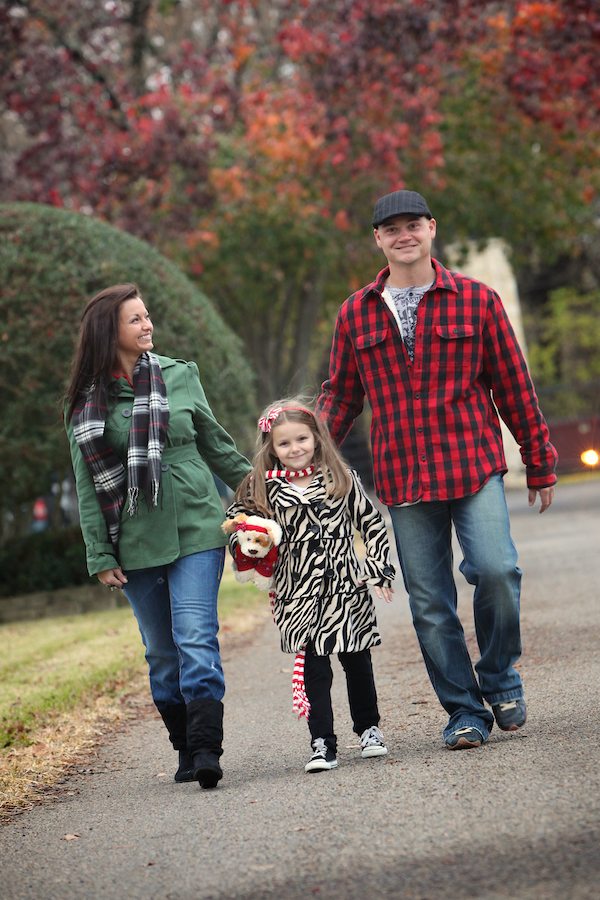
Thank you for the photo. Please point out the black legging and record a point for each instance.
(362, 696)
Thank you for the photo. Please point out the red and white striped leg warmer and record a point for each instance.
(300, 702)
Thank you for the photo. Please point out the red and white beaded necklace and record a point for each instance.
(290, 473)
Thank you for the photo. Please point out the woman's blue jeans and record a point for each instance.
(176, 610)
(423, 535)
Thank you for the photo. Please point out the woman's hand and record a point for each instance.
(112, 578)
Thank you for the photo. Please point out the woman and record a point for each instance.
(144, 444)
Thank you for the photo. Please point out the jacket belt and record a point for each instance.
(182, 453)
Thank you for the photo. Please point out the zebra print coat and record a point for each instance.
(317, 592)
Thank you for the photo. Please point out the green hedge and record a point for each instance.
(43, 562)
(51, 262)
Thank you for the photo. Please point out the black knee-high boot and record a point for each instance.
(205, 740)
(174, 715)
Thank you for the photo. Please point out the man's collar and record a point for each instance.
(444, 279)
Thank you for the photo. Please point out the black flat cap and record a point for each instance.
(400, 203)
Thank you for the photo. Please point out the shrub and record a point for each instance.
(43, 562)
(51, 262)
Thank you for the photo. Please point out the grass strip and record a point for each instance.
(66, 681)
(52, 665)
(96, 653)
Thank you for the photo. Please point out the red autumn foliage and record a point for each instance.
(125, 111)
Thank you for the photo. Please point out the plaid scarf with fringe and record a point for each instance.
(149, 421)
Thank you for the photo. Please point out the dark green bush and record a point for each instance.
(51, 262)
(43, 562)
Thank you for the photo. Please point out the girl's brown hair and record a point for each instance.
(95, 357)
(252, 492)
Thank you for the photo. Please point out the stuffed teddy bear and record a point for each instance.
(255, 553)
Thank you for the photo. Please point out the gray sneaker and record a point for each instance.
(372, 743)
(510, 715)
(464, 739)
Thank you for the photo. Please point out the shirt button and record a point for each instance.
(419, 431)
(165, 467)
(423, 458)
(314, 528)
(388, 571)
(126, 413)
(417, 396)
(329, 573)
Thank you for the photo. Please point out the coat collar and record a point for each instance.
(123, 387)
(284, 494)
(166, 362)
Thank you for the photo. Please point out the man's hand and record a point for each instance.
(546, 497)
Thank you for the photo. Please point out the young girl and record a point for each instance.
(321, 601)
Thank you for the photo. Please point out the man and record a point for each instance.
(434, 354)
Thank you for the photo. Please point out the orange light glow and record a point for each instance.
(590, 458)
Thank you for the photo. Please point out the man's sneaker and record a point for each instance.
(371, 742)
(323, 757)
(511, 714)
(464, 739)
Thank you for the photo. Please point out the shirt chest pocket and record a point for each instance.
(456, 349)
(371, 349)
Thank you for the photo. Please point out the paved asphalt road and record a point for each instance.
(518, 818)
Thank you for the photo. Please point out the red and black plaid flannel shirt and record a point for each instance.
(435, 431)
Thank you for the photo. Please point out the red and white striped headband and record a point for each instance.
(266, 422)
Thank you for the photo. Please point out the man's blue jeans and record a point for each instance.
(423, 535)
(176, 609)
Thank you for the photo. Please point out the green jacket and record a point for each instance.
(189, 512)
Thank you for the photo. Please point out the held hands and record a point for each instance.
(546, 497)
(112, 578)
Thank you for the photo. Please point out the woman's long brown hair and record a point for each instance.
(95, 357)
